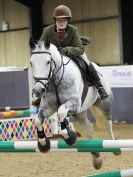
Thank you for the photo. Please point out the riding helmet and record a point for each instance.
(62, 11)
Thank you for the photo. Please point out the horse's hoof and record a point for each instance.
(97, 163)
(117, 153)
(44, 148)
(72, 138)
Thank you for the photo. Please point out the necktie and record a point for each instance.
(61, 34)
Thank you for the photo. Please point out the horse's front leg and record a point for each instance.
(68, 134)
(43, 141)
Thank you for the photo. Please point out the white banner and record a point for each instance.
(119, 76)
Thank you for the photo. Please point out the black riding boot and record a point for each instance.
(96, 81)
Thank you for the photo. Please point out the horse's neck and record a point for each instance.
(57, 67)
(58, 62)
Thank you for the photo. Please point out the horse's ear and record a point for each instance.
(47, 44)
(32, 43)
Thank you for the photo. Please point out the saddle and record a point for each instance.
(83, 67)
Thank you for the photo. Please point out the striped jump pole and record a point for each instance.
(128, 143)
(31, 146)
(8, 108)
(20, 113)
(120, 173)
(67, 150)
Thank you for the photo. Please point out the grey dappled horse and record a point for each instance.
(59, 84)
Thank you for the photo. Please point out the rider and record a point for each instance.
(66, 38)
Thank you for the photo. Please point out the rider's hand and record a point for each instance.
(63, 51)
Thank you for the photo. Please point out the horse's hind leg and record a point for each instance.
(87, 129)
(106, 107)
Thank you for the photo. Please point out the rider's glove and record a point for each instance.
(63, 51)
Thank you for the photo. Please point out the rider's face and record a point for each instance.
(61, 23)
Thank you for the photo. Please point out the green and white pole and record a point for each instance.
(68, 150)
(79, 144)
(120, 173)
(32, 146)
(97, 144)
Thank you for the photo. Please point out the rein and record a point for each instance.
(62, 64)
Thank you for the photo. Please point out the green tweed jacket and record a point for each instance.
(71, 39)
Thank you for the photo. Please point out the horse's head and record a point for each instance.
(42, 66)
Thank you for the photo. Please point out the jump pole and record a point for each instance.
(58, 146)
(8, 108)
(128, 143)
(120, 173)
(19, 113)
(67, 150)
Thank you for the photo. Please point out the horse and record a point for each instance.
(60, 85)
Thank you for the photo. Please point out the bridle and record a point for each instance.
(40, 79)
(51, 74)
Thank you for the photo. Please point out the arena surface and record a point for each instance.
(68, 164)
